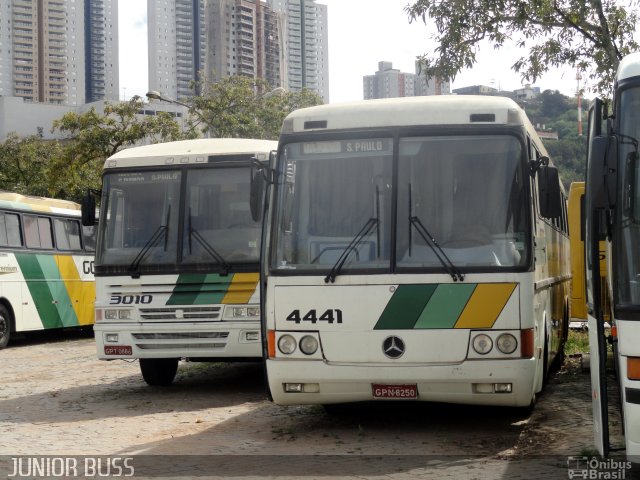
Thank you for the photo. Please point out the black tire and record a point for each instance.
(545, 361)
(159, 372)
(5, 327)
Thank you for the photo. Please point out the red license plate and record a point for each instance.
(118, 350)
(396, 392)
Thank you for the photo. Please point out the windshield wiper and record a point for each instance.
(446, 262)
(193, 233)
(357, 239)
(157, 235)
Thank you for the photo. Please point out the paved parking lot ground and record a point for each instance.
(57, 400)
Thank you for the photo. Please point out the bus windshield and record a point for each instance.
(461, 202)
(328, 192)
(151, 224)
(468, 194)
(627, 292)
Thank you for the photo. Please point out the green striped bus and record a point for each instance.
(46, 265)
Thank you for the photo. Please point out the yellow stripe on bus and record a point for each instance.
(484, 306)
(82, 294)
(242, 287)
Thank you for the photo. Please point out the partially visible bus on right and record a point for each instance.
(612, 207)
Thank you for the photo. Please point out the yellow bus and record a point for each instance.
(46, 265)
(576, 236)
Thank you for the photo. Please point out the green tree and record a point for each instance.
(92, 137)
(244, 107)
(591, 35)
(25, 165)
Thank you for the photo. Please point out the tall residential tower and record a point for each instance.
(177, 42)
(306, 45)
(244, 39)
(59, 51)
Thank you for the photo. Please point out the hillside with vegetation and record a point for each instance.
(553, 111)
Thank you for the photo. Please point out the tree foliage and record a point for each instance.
(559, 113)
(25, 165)
(92, 137)
(244, 107)
(591, 35)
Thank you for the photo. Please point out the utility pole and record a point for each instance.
(579, 94)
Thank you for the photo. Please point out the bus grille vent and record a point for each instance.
(188, 313)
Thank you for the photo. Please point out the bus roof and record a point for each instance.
(17, 201)
(629, 67)
(407, 111)
(188, 151)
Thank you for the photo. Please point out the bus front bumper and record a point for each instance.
(488, 382)
(217, 340)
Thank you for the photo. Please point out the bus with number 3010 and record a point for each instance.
(177, 259)
(414, 249)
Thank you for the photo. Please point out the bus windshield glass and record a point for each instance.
(149, 227)
(627, 291)
(218, 223)
(461, 202)
(329, 192)
(467, 194)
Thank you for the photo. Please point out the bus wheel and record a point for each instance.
(545, 361)
(159, 371)
(5, 327)
(526, 412)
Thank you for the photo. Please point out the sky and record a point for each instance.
(361, 34)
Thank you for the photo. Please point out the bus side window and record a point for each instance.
(10, 230)
(37, 231)
(67, 234)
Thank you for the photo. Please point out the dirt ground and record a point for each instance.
(57, 399)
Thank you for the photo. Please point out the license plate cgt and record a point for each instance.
(118, 350)
(395, 392)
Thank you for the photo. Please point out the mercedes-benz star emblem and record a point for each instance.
(393, 347)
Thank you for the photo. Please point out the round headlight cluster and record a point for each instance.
(482, 344)
(507, 343)
(287, 344)
(308, 344)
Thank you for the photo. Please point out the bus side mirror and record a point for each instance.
(88, 210)
(597, 173)
(256, 195)
(549, 194)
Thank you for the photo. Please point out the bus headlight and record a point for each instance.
(482, 344)
(115, 314)
(239, 313)
(287, 344)
(507, 343)
(308, 345)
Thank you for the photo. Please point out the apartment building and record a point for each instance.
(177, 45)
(389, 82)
(304, 26)
(61, 52)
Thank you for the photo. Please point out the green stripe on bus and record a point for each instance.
(404, 308)
(200, 289)
(47, 290)
(445, 306)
